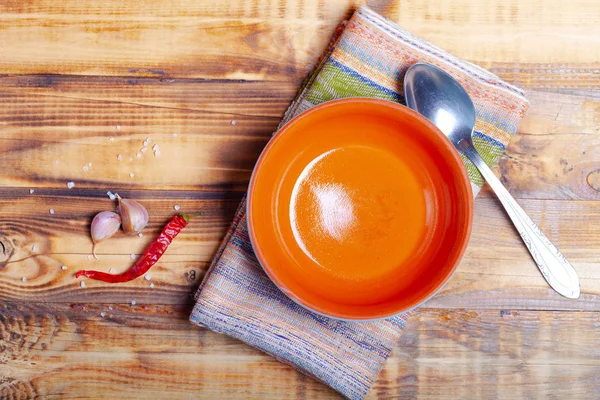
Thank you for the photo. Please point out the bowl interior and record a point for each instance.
(359, 209)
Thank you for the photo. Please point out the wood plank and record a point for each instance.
(494, 354)
(496, 271)
(153, 351)
(22, 96)
(38, 244)
(274, 40)
(45, 119)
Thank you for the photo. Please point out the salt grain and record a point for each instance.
(111, 195)
(133, 302)
(110, 308)
(85, 168)
(144, 149)
(112, 139)
(71, 185)
(118, 127)
(130, 158)
(147, 277)
(139, 155)
(152, 285)
(82, 284)
(102, 314)
(31, 191)
(174, 135)
(140, 234)
(155, 147)
(64, 267)
(131, 175)
(35, 247)
(90, 164)
(89, 258)
(57, 162)
(176, 207)
(233, 122)
(119, 157)
(23, 279)
(111, 271)
(145, 143)
(132, 256)
(148, 139)
(52, 211)
(156, 153)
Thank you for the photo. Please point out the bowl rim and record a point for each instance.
(384, 103)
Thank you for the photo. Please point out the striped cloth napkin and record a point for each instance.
(367, 58)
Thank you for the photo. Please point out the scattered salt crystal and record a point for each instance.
(131, 175)
(140, 234)
(174, 135)
(147, 277)
(111, 195)
(57, 162)
(31, 191)
(118, 127)
(64, 267)
(119, 157)
(52, 211)
(132, 256)
(148, 139)
(110, 308)
(144, 149)
(85, 168)
(71, 185)
(145, 143)
(35, 247)
(111, 271)
(130, 158)
(233, 122)
(90, 164)
(139, 155)
(176, 207)
(156, 153)
(102, 314)
(89, 258)
(152, 285)
(155, 147)
(133, 302)
(112, 139)
(23, 279)
(82, 284)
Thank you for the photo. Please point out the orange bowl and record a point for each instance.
(359, 209)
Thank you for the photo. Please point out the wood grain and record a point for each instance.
(44, 118)
(152, 351)
(75, 74)
(273, 40)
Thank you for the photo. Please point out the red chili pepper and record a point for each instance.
(156, 249)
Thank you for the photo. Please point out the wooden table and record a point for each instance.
(82, 82)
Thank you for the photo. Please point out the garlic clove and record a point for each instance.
(134, 216)
(104, 225)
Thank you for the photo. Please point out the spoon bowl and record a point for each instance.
(441, 99)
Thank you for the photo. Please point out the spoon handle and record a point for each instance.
(555, 268)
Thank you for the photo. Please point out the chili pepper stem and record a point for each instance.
(188, 216)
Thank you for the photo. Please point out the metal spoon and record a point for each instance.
(441, 99)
